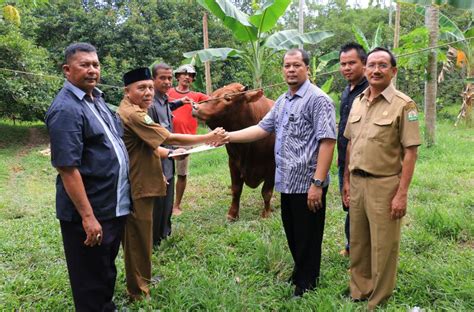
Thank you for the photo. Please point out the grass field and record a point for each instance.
(209, 264)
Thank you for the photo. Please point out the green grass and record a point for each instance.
(209, 264)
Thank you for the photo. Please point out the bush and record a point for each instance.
(23, 96)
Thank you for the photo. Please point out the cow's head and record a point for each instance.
(226, 100)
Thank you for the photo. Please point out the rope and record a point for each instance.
(242, 92)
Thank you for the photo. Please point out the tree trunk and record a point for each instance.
(396, 35)
(431, 22)
(207, 65)
(301, 20)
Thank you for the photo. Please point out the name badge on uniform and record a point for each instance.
(148, 120)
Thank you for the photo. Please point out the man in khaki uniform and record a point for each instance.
(383, 134)
(143, 138)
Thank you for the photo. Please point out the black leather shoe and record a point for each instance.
(299, 291)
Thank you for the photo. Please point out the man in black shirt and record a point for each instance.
(352, 57)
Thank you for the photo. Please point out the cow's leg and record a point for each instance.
(236, 188)
(267, 192)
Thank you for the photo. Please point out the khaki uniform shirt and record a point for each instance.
(379, 131)
(142, 136)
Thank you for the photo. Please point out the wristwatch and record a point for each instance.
(317, 182)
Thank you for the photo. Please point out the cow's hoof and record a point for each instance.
(266, 213)
(232, 218)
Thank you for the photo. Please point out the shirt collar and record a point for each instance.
(388, 93)
(126, 103)
(358, 86)
(80, 94)
(161, 98)
(361, 83)
(301, 91)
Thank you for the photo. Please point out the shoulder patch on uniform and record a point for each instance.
(412, 115)
(147, 119)
(412, 111)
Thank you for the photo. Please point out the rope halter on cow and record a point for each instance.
(228, 96)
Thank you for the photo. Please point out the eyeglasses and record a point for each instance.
(381, 66)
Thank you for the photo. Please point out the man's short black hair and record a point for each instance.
(156, 67)
(78, 47)
(393, 60)
(361, 53)
(294, 51)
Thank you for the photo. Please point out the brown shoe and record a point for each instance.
(177, 212)
(344, 252)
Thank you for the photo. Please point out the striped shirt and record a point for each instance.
(299, 121)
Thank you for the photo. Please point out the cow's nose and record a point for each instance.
(195, 109)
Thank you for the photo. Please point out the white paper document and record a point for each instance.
(197, 149)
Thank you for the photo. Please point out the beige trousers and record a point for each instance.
(137, 246)
(374, 238)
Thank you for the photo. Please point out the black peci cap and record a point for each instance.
(135, 75)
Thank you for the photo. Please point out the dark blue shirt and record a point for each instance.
(85, 134)
(347, 98)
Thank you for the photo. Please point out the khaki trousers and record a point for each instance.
(137, 246)
(374, 238)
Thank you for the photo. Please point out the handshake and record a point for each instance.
(218, 137)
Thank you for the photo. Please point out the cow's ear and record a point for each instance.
(253, 96)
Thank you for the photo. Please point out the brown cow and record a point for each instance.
(249, 163)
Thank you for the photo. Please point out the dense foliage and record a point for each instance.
(130, 33)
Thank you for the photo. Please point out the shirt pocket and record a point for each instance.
(94, 132)
(299, 126)
(381, 130)
(354, 124)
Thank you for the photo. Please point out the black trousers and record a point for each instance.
(92, 270)
(162, 211)
(304, 233)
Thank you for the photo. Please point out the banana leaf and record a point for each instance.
(286, 39)
(213, 54)
(234, 19)
(360, 38)
(266, 17)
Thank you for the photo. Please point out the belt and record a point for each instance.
(363, 174)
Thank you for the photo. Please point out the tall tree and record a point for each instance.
(431, 21)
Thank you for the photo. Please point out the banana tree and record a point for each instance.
(362, 40)
(259, 45)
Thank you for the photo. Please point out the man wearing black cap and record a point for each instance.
(143, 137)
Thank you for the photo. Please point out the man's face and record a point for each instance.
(163, 80)
(141, 93)
(379, 71)
(83, 70)
(350, 66)
(295, 70)
(185, 79)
